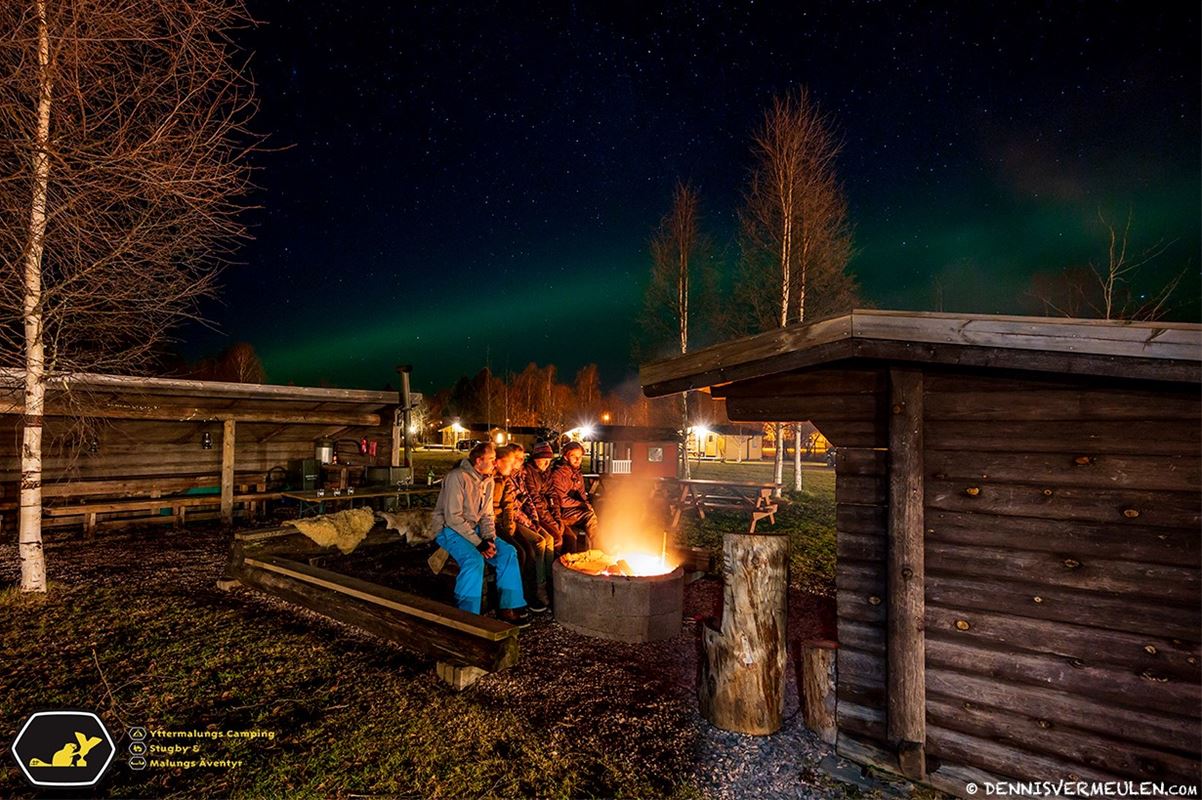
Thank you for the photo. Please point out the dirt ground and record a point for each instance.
(136, 630)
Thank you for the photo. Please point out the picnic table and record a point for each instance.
(311, 500)
(699, 495)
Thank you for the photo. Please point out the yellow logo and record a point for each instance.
(63, 748)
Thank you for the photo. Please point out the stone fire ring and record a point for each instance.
(643, 608)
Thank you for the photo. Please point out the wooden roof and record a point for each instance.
(1143, 350)
(173, 399)
(632, 433)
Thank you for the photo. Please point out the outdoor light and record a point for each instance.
(413, 429)
(206, 441)
(586, 431)
(701, 432)
(500, 438)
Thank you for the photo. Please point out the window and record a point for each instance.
(655, 454)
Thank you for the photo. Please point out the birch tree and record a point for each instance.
(795, 234)
(1116, 289)
(123, 155)
(676, 249)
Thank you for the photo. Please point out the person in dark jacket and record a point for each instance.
(570, 498)
(537, 503)
(536, 550)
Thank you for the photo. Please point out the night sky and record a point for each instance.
(451, 185)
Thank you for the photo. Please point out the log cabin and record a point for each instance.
(1019, 556)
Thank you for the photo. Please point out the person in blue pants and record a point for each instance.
(466, 528)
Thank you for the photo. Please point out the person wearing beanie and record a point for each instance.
(537, 503)
(571, 500)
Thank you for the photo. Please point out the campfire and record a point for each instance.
(629, 596)
(630, 564)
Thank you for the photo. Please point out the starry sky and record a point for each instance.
(453, 184)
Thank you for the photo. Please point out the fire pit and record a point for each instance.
(600, 595)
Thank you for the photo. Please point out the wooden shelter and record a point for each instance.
(117, 447)
(1018, 535)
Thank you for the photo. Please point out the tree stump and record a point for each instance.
(816, 684)
(741, 684)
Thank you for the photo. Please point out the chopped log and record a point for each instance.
(437, 560)
(741, 685)
(906, 650)
(816, 678)
(458, 676)
(436, 629)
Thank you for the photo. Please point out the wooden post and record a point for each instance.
(741, 684)
(227, 472)
(906, 683)
(394, 451)
(816, 680)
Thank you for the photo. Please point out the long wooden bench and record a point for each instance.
(179, 505)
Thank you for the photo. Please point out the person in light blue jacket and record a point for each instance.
(466, 528)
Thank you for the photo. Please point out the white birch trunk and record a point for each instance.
(797, 458)
(29, 524)
(778, 463)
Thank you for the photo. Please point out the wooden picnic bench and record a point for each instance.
(701, 495)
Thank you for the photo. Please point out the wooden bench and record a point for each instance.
(179, 505)
(465, 645)
(700, 495)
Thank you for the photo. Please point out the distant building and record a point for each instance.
(727, 442)
(452, 434)
(629, 450)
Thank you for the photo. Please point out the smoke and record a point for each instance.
(632, 522)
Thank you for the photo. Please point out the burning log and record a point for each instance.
(741, 685)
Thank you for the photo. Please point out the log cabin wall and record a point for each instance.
(134, 448)
(1062, 568)
(1062, 575)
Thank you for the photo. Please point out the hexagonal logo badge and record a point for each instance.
(63, 748)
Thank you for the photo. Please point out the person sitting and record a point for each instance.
(466, 528)
(537, 503)
(570, 498)
(536, 550)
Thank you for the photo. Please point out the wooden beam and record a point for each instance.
(444, 632)
(176, 387)
(187, 413)
(228, 440)
(906, 680)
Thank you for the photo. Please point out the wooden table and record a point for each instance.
(310, 499)
(699, 495)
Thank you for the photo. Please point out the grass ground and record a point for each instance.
(135, 629)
